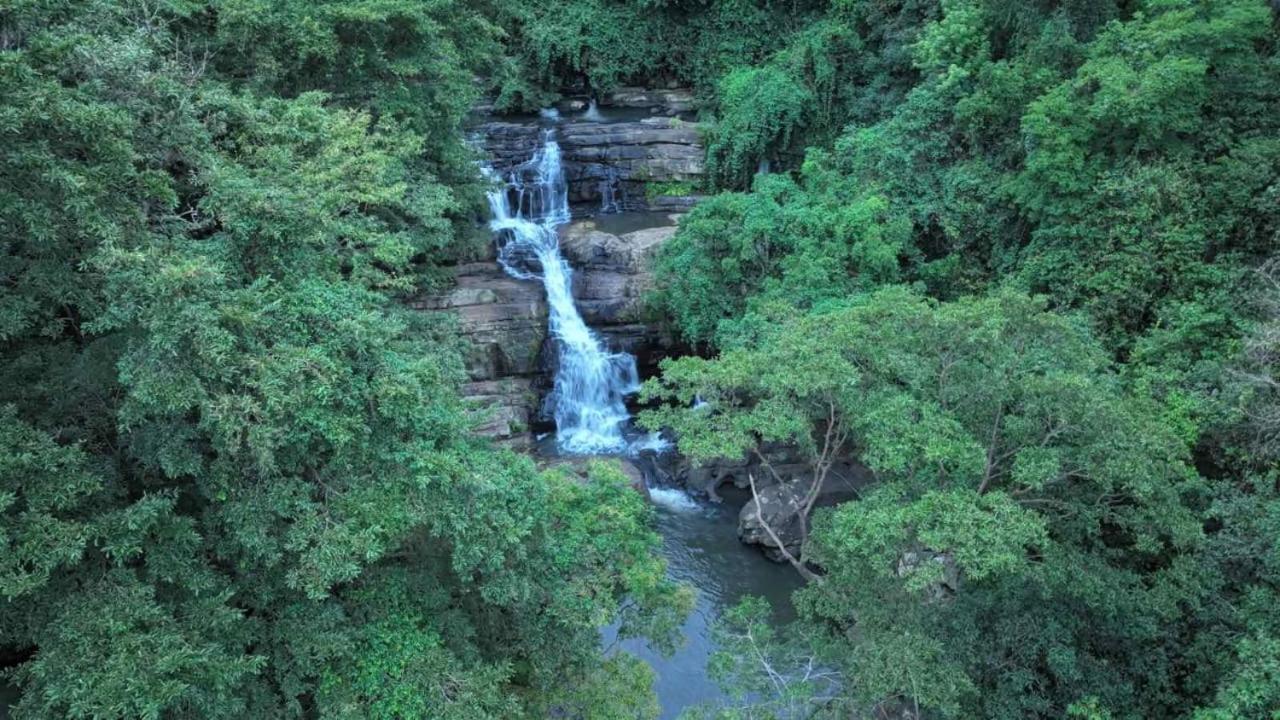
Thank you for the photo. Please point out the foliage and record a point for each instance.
(1026, 506)
(1071, 438)
(763, 108)
(670, 188)
(769, 674)
(236, 475)
(1015, 155)
(1001, 253)
(599, 45)
(1259, 373)
(775, 246)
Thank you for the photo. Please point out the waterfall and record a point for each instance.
(591, 382)
(612, 199)
(593, 112)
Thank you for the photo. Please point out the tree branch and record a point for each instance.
(798, 564)
(991, 450)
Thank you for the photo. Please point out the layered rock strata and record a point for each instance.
(503, 321)
(650, 164)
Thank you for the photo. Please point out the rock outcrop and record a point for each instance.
(612, 274)
(509, 358)
(503, 322)
(671, 101)
(656, 101)
(642, 158)
(707, 478)
(650, 164)
(779, 505)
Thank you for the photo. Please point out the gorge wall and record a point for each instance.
(630, 173)
(640, 150)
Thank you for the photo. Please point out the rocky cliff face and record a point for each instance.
(643, 157)
(510, 359)
(669, 101)
(612, 275)
(649, 164)
(653, 164)
(504, 325)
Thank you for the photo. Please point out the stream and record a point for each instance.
(700, 542)
(588, 404)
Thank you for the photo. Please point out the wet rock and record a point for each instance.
(612, 275)
(635, 477)
(641, 164)
(632, 157)
(504, 320)
(705, 478)
(671, 101)
(509, 356)
(509, 144)
(585, 246)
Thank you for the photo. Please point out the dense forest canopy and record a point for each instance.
(238, 480)
(1019, 258)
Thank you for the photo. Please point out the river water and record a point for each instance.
(588, 404)
(701, 546)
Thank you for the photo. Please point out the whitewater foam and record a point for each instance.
(591, 383)
(673, 499)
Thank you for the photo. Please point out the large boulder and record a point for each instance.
(587, 247)
(706, 478)
(612, 275)
(780, 505)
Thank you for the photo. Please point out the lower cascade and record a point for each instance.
(591, 383)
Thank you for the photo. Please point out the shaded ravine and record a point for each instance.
(588, 405)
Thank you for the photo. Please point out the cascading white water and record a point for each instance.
(587, 401)
(593, 113)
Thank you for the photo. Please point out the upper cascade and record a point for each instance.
(591, 383)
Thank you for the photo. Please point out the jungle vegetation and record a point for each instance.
(1021, 258)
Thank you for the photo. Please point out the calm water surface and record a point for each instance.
(701, 545)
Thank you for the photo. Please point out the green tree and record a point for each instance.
(1031, 534)
(236, 475)
(770, 675)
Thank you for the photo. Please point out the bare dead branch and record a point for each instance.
(798, 564)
